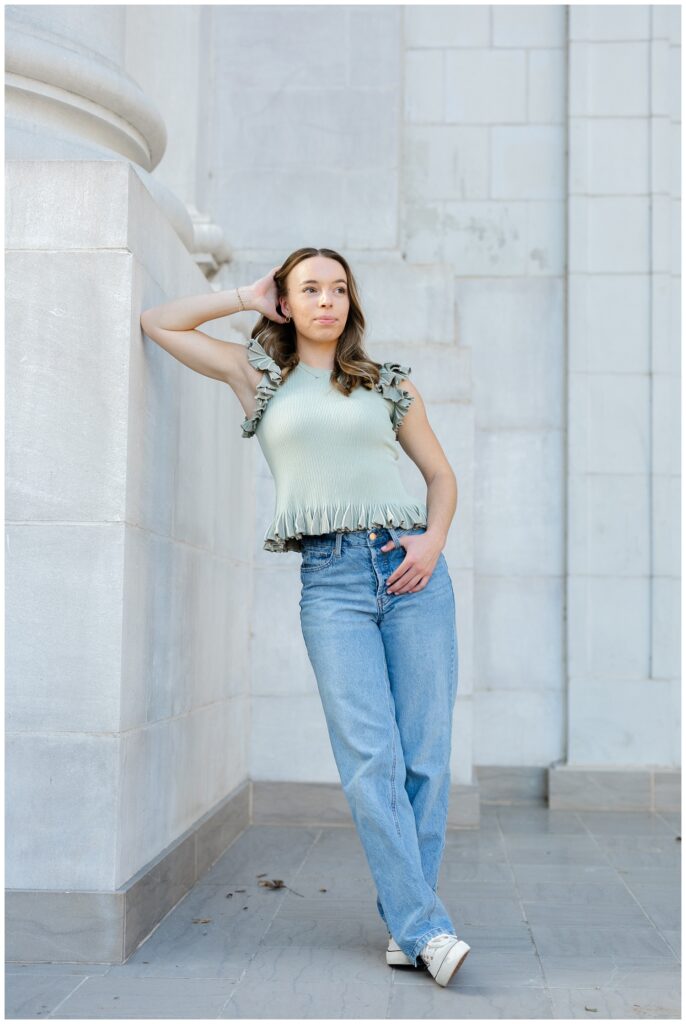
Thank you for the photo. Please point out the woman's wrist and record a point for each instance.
(189, 312)
(246, 299)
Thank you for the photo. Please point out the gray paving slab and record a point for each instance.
(627, 1002)
(569, 915)
(309, 982)
(472, 1002)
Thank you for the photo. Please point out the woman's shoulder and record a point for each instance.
(266, 381)
(393, 374)
(394, 384)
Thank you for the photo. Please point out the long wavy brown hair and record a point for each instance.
(352, 366)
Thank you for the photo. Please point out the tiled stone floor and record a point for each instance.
(569, 915)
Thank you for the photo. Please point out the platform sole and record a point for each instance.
(450, 966)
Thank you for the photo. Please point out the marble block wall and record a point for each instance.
(623, 441)
(430, 148)
(483, 178)
(458, 156)
(313, 141)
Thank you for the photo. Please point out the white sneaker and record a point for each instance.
(395, 956)
(443, 955)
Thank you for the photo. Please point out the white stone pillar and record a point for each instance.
(128, 503)
(623, 454)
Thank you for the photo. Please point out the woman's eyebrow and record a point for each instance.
(339, 280)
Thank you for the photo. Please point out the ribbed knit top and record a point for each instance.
(334, 457)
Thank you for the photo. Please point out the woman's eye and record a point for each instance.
(309, 288)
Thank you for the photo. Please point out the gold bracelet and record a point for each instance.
(240, 299)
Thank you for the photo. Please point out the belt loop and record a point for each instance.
(394, 535)
(339, 542)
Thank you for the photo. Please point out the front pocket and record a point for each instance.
(317, 558)
(411, 530)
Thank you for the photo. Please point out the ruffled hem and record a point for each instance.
(391, 375)
(271, 379)
(287, 529)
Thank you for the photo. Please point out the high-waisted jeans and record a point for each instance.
(386, 670)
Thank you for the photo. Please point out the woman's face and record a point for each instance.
(317, 298)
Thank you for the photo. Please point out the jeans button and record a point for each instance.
(372, 536)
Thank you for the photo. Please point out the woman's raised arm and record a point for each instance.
(173, 325)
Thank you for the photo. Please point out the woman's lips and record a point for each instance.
(326, 319)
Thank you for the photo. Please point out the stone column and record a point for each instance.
(128, 503)
(623, 407)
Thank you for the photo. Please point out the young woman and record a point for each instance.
(377, 606)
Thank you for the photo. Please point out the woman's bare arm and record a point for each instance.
(173, 326)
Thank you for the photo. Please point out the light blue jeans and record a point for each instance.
(386, 670)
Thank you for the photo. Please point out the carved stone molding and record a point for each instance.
(67, 101)
(67, 90)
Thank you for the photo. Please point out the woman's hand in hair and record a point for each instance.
(264, 297)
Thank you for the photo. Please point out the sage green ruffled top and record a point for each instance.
(334, 457)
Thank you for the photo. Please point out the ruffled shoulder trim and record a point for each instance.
(271, 379)
(391, 376)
